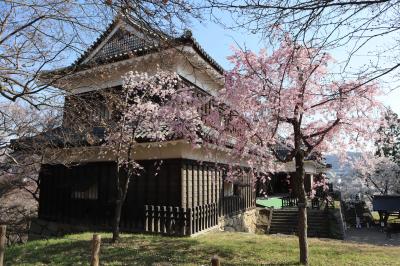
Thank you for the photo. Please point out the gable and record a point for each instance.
(121, 38)
(124, 41)
(121, 42)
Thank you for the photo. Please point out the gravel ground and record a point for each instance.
(374, 236)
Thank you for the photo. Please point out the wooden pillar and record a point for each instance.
(95, 261)
(209, 188)
(219, 190)
(215, 261)
(200, 189)
(248, 190)
(183, 184)
(189, 186)
(195, 194)
(190, 218)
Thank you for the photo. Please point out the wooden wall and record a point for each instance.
(159, 184)
(67, 194)
(57, 186)
(202, 183)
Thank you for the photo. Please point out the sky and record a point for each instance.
(217, 42)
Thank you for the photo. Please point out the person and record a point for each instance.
(358, 222)
(388, 231)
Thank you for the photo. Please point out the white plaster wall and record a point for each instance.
(186, 62)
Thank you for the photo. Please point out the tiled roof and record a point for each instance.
(97, 42)
(123, 44)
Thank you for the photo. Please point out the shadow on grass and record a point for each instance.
(137, 249)
(49, 252)
(290, 263)
(147, 250)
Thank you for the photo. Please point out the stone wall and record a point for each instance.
(256, 220)
(336, 224)
(44, 229)
(263, 222)
(242, 222)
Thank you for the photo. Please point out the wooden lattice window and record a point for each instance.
(120, 43)
(87, 190)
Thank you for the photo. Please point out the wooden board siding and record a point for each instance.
(59, 184)
(159, 184)
(202, 184)
(68, 195)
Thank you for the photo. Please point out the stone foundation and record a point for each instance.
(263, 222)
(256, 220)
(336, 224)
(44, 229)
(242, 222)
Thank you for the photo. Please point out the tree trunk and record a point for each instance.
(122, 189)
(117, 219)
(302, 205)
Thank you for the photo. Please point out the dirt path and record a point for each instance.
(372, 236)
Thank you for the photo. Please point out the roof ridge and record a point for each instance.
(108, 30)
(98, 40)
(189, 36)
(185, 38)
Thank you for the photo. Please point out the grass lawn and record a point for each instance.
(270, 202)
(392, 219)
(233, 248)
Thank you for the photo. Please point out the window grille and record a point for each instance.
(91, 193)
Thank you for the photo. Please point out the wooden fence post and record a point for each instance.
(2, 243)
(215, 261)
(95, 250)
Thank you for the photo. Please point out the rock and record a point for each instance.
(229, 229)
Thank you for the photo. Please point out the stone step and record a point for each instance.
(284, 218)
(317, 227)
(309, 234)
(311, 212)
(295, 226)
(282, 230)
(285, 221)
(294, 229)
(296, 221)
(274, 230)
(296, 214)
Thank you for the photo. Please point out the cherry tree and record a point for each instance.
(379, 174)
(388, 141)
(291, 103)
(151, 108)
(365, 32)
